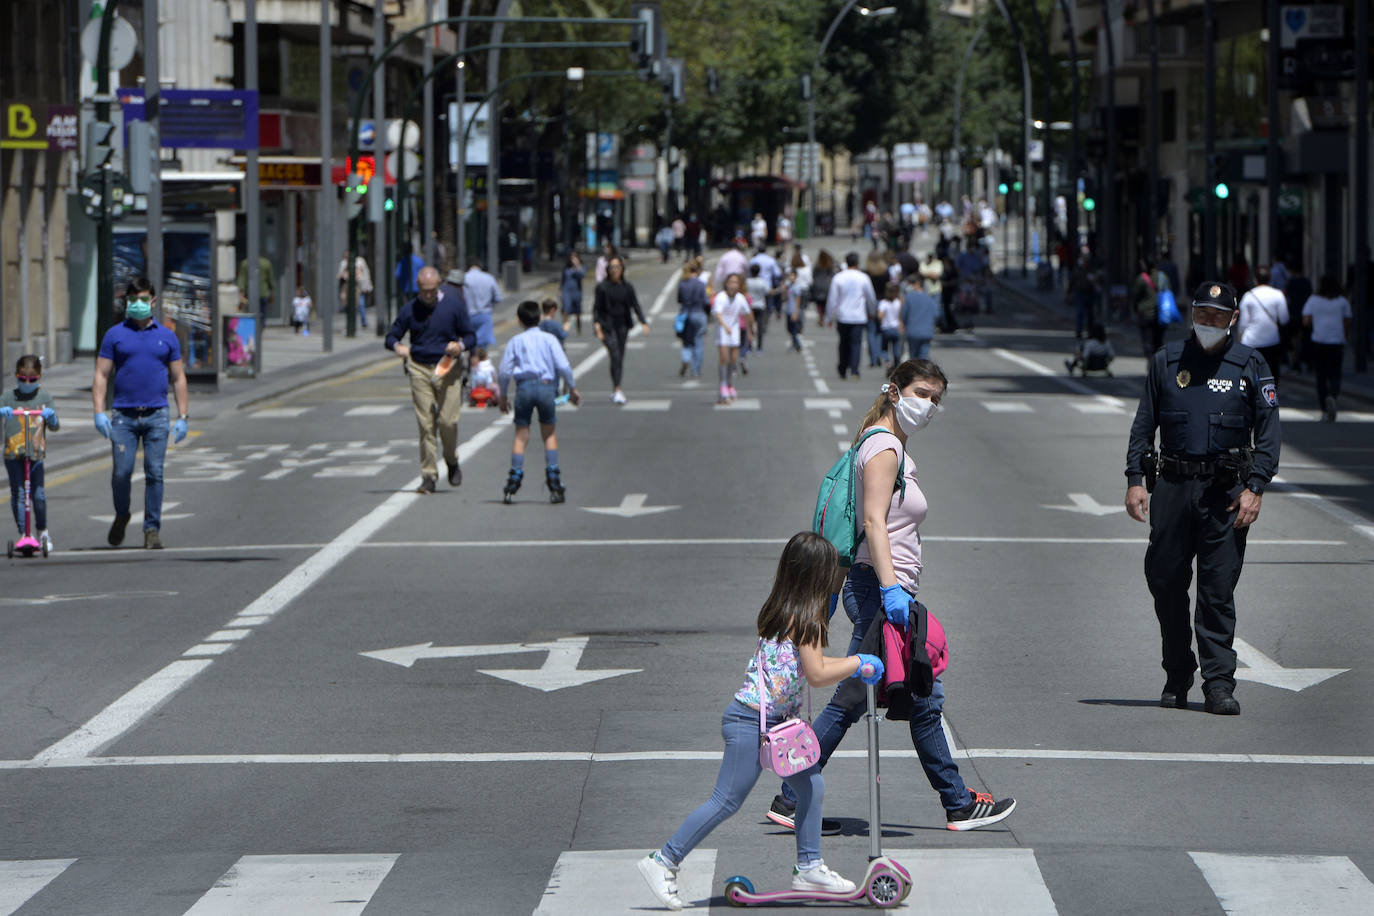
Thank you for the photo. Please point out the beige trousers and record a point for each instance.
(437, 405)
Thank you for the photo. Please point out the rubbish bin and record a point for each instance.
(510, 275)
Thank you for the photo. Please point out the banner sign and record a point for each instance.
(200, 118)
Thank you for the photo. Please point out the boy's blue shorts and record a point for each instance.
(532, 394)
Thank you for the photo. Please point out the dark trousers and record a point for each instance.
(851, 346)
(760, 325)
(1151, 336)
(947, 307)
(615, 346)
(1274, 357)
(1328, 360)
(1189, 520)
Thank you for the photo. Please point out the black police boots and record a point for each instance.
(1219, 701)
(555, 484)
(512, 485)
(1175, 694)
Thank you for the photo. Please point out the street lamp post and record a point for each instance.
(811, 104)
(1152, 204)
(958, 102)
(1047, 195)
(1075, 161)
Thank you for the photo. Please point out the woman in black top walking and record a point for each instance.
(613, 315)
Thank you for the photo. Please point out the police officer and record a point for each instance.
(1214, 402)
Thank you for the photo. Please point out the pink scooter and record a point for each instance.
(27, 545)
(885, 884)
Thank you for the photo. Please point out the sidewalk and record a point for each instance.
(1355, 386)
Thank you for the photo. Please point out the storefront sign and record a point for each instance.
(1322, 20)
(63, 124)
(200, 118)
(289, 174)
(23, 126)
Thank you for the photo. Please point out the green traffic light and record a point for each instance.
(1089, 204)
(1222, 190)
(360, 189)
(390, 205)
(1002, 188)
(1016, 186)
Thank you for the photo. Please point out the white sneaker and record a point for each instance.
(619, 398)
(821, 878)
(661, 880)
(45, 540)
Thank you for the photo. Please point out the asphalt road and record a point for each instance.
(201, 730)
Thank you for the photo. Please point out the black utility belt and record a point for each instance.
(139, 411)
(1210, 467)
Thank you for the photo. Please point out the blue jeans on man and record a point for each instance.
(694, 341)
(862, 600)
(127, 429)
(481, 327)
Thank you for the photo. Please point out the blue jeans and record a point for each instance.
(918, 348)
(362, 309)
(126, 431)
(481, 326)
(1085, 305)
(531, 394)
(862, 600)
(875, 343)
(694, 348)
(15, 468)
(739, 770)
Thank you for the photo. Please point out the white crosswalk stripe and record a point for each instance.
(991, 881)
(1256, 885)
(327, 885)
(373, 410)
(650, 405)
(1007, 407)
(606, 882)
(741, 404)
(22, 878)
(279, 413)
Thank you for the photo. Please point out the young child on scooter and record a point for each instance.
(26, 395)
(792, 629)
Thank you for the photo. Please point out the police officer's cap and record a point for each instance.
(1215, 295)
(455, 277)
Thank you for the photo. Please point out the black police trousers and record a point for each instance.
(1189, 520)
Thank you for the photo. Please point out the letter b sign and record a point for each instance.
(24, 126)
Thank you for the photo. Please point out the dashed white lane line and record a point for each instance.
(1007, 406)
(106, 726)
(839, 429)
(828, 403)
(821, 385)
(740, 404)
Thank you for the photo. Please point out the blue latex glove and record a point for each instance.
(6, 413)
(870, 669)
(179, 430)
(896, 604)
(834, 603)
(102, 424)
(49, 415)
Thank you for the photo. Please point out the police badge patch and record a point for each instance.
(1183, 378)
(1270, 395)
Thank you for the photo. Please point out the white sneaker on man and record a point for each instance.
(821, 878)
(662, 880)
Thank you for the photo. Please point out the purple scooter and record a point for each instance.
(885, 884)
(27, 545)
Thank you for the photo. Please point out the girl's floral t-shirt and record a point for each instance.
(781, 677)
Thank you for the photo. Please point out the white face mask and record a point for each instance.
(1209, 337)
(915, 413)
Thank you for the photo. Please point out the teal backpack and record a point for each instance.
(837, 518)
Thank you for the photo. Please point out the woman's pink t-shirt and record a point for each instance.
(904, 516)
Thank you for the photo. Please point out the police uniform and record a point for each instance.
(1218, 418)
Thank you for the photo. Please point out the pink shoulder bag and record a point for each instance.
(790, 746)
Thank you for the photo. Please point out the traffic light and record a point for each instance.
(806, 87)
(1089, 195)
(712, 82)
(675, 81)
(390, 204)
(1220, 167)
(100, 145)
(353, 191)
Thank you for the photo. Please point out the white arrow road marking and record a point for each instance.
(558, 671)
(136, 519)
(1084, 503)
(1262, 669)
(632, 506)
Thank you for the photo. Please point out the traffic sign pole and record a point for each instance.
(152, 95)
(104, 294)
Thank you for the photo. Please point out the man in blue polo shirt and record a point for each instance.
(145, 356)
(437, 322)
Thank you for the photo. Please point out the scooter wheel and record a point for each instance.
(885, 889)
(736, 886)
(45, 550)
(9, 549)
